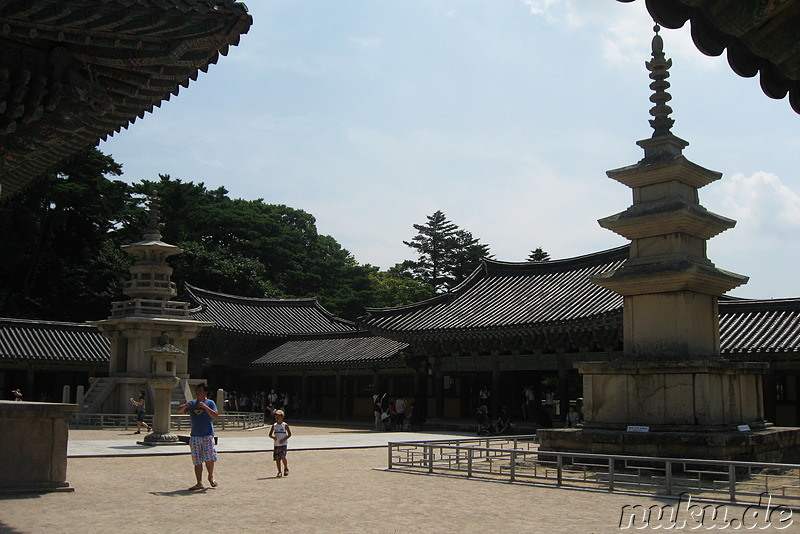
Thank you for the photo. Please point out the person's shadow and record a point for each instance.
(177, 493)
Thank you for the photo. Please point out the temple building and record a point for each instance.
(508, 326)
(295, 346)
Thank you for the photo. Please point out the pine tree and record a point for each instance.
(538, 255)
(433, 244)
(446, 254)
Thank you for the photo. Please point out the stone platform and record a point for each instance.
(771, 444)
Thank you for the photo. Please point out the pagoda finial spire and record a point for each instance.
(153, 231)
(659, 72)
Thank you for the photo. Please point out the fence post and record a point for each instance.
(668, 476)
(513, 463)
(469, 462)
(430, 458)
(732, 482)
(611, 475)
(389, 448)
(559, 467)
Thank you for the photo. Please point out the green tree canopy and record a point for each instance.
(397, 287)
(60, 258)
(445, 254)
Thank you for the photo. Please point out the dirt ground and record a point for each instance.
(327, 491)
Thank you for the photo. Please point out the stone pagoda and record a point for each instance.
(135, 326)
(671, 393)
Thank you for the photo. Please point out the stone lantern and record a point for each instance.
(163, 380)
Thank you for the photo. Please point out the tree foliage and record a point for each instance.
(60, 260)
(538, 254)
(397, 287)
(62, 243)
(446, 254)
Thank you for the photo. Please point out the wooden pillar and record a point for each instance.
(438, 388)
(494, 399)
(304, 408)
(28, 392)
(339, 378)
(563, 389)
(350, 386)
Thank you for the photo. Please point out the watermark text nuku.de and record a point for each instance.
(685, 514)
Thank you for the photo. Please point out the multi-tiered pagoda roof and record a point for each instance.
(73, 72)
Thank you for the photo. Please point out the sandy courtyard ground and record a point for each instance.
(327, 491)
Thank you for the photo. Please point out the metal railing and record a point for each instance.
(518, 460)
(241, 420)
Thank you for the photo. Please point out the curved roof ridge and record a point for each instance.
(265, 316)
(575, 261)
(776, 303)
(194, 290)
(490, 266)
(43, 322)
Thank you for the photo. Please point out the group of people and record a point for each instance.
(256, 401)
(391, 415)
(487, 427)
(203, 411)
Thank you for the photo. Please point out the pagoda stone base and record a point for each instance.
(673, 395)
(160, 439)
(675, 409)
(771, 444)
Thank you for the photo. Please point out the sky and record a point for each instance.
(503, 114)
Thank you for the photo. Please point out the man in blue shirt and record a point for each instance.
(202, 412)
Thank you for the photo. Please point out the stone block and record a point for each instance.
(708, 392)
(679, 399)
(33, 438)
(610, 399)
(647, 396)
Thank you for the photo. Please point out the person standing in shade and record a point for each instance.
(400, 408)
(571, 421)
(202, 412)
(280, 433)
(140, 413)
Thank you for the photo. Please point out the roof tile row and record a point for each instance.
(265, 317)
(51, 341)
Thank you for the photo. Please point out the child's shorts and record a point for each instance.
(279, 453)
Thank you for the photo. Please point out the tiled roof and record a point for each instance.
(264, 317)
(500, 295)
(360, 348)
(83, 69)
(51, 341)
(759, 37)
(749, 326)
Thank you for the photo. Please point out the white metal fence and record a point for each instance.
(517, 459)
(240, 420)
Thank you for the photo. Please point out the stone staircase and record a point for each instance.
(98, 392)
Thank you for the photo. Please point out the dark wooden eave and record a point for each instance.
(73, 72)
(760, 37)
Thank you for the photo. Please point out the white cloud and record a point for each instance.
(542, 7)
(370, 43)
(761, 203)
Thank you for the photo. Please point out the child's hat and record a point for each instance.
(278, 412)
